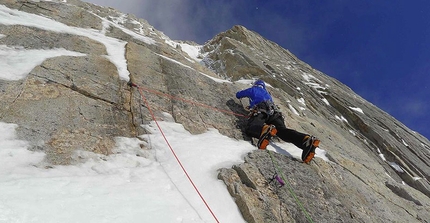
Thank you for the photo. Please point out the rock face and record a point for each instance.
(355, 132)
(322, 192)
(79, 100)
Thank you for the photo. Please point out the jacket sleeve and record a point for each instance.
(243, 93)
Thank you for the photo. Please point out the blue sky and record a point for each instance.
(380, 49)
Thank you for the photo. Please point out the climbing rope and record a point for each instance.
(282, 180)
(290, 188)
(173, 152)
(185, 100)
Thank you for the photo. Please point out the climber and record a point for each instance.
(267, 121)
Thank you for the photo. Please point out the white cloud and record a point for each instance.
(180, 19)
(415, 107)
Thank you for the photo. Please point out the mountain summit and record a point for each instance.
(77, 76)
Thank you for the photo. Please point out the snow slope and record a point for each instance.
(132, 185)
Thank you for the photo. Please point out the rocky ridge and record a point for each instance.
(378, 169)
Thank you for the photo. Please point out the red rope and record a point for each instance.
(174, 154)
(188, 101)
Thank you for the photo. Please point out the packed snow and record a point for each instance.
(354, 133)
(114, 47)
(341, 118)
(134, 184)
(193, 51)
(218, 80)
(357, 109)
(325, 101)
(301, 101)
(404, 143)
(117, 21)
(293, 110)
(314, 83)
(17, 62)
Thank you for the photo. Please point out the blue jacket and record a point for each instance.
(256, 95)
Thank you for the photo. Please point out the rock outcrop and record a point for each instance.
(378, 169)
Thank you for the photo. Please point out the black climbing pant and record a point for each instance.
(256, 123)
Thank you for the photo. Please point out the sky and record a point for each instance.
(380, 49)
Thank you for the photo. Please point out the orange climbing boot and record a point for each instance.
(310, 143)
(267, 133)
